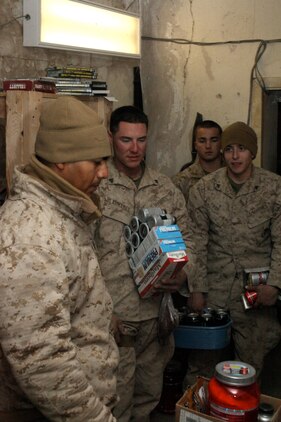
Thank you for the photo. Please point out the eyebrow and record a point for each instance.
(131, 137)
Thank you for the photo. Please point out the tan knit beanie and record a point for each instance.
(242, 134)
(70, 131)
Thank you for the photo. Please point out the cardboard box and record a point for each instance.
(167, 265)
(159, 233)
(184, 414)
(145, 262)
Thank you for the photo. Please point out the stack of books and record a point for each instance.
(76, 81)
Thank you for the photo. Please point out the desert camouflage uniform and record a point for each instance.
(141, 367)
(187, 178)
(234, 231)
(56, 350)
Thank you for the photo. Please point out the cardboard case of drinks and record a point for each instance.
(186, 414)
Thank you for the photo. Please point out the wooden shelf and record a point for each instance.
(21, 112)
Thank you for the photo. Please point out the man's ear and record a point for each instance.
(110, 136)
(59, 167)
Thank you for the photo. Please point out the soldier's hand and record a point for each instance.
(267, 295)
(171, 285)
(196, 301)
(116, 328)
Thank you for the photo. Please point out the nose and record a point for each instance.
(134, 146)
(235, 153)
(103, 170)
(208, 144)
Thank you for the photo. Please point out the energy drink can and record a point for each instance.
(143, 230)
(193, 319)
(254, 279)
(134, 224)
(249, 298)
(207, 319)
(127, 233)
(135, 239)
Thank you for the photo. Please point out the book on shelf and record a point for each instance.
(29, 85)
(74, 89)
(100, 91)
(71, 72)
(88, 94)
(99, 85)
(73, 86)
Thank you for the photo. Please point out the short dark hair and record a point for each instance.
(205, 124)
(129, 114)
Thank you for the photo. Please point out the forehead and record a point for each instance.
(127, 129)
(207, 132)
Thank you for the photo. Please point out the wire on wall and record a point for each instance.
(255, 72)
(27, 17)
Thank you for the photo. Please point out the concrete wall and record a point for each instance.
(180, 80)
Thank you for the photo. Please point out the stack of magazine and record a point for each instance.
(76, 81)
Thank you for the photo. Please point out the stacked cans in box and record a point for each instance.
(155, 248)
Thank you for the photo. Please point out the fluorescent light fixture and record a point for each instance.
(80, 26)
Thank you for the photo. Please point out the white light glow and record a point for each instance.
(75, 25)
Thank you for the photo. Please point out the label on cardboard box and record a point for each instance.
(191, 417)
(164, 232)
(167, 265)
(154, 237)
(151, 256)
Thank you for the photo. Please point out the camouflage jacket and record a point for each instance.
(234, 231)
(187, 178)
(121, 199)
(56, 349)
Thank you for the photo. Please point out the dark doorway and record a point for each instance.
(271, 131)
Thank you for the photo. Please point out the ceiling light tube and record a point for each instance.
(81, 26)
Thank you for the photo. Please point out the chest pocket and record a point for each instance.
(258, 214)
(117, 210)
(219, 210)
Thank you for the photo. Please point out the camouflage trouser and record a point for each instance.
(203, 362)
(140, 372)
(255, 333)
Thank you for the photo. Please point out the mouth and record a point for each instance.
(135, 158)
(235, 165)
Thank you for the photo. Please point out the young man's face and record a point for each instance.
(129, 145)
(238, 161)
(207, 143)
(84, 175)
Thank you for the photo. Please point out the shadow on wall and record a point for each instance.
(3, 183)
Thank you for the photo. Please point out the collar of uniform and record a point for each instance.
(197, 170)
(116, 177)
(221, 182)
(79, 202)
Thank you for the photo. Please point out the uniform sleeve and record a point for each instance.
(182, 181)
(198, 223)
(274, 278)
(36, 336)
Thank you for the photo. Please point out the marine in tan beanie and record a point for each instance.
(241, 134)
(239, 145)
(70, 131)
(73, 144)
